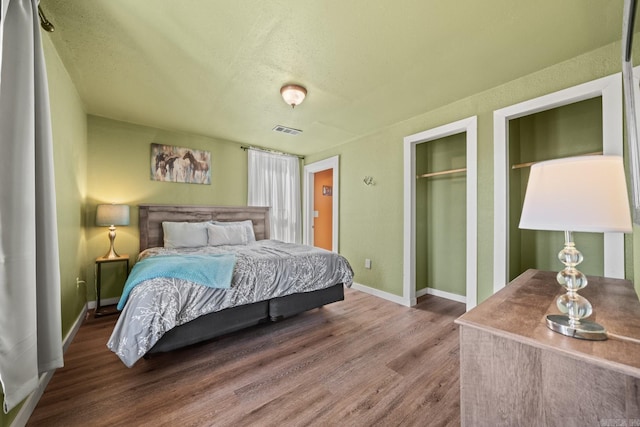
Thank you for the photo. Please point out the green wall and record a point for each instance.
(70, 161)
(371, 217)
(118, 163)
(441, 215)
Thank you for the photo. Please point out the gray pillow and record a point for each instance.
(251, 237)
(184, 234)
(227, 234)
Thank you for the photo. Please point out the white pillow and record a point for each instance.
(227, 235)
(251, 237)
(184, 234)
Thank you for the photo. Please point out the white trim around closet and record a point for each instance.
(470, 126)
(610, 89)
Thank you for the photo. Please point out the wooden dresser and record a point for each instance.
(514, 371)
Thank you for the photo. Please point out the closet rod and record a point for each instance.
(447, 172)
(266, 150)
(526, 165)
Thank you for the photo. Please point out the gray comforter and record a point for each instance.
(264, 270)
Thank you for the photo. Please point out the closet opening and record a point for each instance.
(440, 213)
(441, 217)
(566, 131)
(580, 120)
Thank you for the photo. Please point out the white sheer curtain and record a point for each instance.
(30, 324)
(274, 181)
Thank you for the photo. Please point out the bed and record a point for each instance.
(165, 313)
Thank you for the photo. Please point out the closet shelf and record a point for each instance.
(528, 164)
(447, 172)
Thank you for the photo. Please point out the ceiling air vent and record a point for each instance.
(289, 131)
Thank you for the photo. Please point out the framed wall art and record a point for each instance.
(179, 164)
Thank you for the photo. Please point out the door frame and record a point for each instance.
(309, 171)
(470, 127)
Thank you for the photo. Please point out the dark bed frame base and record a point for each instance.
(236, 318)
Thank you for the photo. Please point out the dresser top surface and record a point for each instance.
(519, 310)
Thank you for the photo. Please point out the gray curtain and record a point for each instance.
(30, 325)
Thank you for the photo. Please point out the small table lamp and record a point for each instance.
(587, 193)
(112, 215)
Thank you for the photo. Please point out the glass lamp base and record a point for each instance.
(586, 330)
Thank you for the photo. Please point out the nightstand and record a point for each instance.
(100, 261)
(516, 371)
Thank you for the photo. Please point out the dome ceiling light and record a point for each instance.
(293, 94)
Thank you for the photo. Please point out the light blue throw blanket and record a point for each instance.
(214, 271)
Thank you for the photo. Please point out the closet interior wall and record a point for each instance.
(441, 215)
(566, 131)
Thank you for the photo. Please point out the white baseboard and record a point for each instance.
(404, 301)
(103, 302)
(441, 294)
(31, 402)
(382, 294)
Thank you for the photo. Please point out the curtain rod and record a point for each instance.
(267, 150)
(447, 172)
(527, 164)
(44, 22)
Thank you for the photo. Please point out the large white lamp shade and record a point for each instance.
(587, 193)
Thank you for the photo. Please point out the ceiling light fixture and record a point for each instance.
(293, 94)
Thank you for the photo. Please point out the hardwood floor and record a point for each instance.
(359, 362)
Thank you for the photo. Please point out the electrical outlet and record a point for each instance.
(367, 263)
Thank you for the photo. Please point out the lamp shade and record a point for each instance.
(107, 215)
(587, 193)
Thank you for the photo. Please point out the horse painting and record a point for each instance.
(165, 166)
(178, 164)
(197, 166)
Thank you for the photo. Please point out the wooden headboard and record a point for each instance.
(151, 217)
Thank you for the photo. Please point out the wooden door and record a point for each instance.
(323, 209)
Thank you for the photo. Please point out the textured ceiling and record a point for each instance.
(215, 67)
